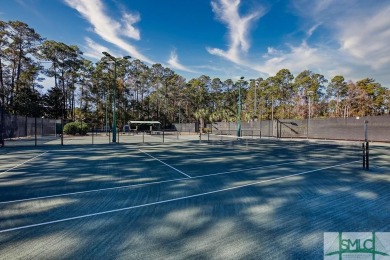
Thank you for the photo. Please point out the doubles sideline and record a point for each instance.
(20, 164)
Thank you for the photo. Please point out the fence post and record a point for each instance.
(35, 132)
(62, 131)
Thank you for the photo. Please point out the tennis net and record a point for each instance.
(282, 146)
(229, 140)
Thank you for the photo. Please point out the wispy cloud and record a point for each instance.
(129, 30)
(174, 63)
(30, 6)
(357, 34)
(227, 11)
(299, 58)
(94, 50)
(109, 29)
(367, 38)
(361, 28)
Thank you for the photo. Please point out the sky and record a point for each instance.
(223, 38)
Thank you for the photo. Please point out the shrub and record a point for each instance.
(206, 130)
(70, 128)
(83, 128)
(74, 128)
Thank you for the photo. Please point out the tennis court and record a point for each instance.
(206, 199)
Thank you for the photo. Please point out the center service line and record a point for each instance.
(169, 200)
(166, 164)
(10, 169)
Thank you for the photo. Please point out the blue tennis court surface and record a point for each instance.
(208, 200)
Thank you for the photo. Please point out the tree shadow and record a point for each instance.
(236, 214)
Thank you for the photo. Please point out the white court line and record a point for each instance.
(10, 169)
(165, 164)
(169, 200)
(143, 184)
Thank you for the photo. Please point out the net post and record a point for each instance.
(143, 137)
(367, 156)
(163, 135)
(200, 136)
(364, 155)
(92, 133)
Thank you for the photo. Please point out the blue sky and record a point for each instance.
(223, 38)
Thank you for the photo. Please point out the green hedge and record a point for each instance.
(74, 128)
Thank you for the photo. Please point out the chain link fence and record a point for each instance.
(27, 131)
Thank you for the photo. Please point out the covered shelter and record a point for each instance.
(144, 126)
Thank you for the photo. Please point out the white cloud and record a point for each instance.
(359, 32)
(239, 26)
(94, 50)
(109, 29)
(129, 30)
(297, 59)
(367, 38)
(174, 63)
(271, 51)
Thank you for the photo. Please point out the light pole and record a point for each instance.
(256, 114)
(106, 122)
(309, 94)
(239, 108)
(115, 60)
(270, 92)
(272, 115)
(256, 85)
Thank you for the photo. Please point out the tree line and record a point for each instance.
(84, 91)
